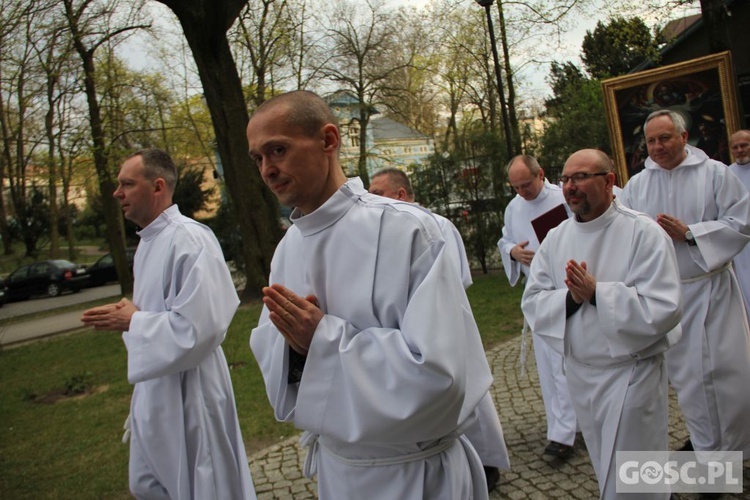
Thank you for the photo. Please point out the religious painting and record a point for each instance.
(703, 91)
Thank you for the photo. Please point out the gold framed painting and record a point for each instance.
(703, 91)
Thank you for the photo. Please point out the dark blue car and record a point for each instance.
(103, 270)
(47, 277)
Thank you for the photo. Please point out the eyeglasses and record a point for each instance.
(579, 176)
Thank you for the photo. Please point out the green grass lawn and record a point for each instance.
(69, 447)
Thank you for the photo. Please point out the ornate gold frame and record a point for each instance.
(713, 73)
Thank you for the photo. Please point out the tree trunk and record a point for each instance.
(112, 211)
(5, 162)
(205, 23)
(512, 114)
(54, 233)
(364, 121)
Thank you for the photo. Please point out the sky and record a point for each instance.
(532, 85)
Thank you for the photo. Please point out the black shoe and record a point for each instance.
(688, 446)
(493, 477)
(558, 450)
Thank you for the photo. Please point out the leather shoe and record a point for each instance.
(558, 450)
(688, 446)
(493, 477)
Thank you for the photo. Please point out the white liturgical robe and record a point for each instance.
(712, 361)
(558, 408)
(185, 436)
(453, 238)
(396, 367)
(614, 348)
(742, 259)
(517, 226)
(486, 433)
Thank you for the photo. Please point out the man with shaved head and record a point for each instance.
(366, 340)
(604, 291)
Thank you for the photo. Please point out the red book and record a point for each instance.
(548, 220)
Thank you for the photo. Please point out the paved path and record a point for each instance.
(15, 332)
(277, 470)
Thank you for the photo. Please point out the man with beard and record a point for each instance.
(611, 309)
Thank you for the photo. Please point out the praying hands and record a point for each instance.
(581, 284)
(296, 318)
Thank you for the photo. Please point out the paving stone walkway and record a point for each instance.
(277, 470)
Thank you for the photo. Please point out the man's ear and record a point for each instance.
(401, 193)
(160, 185)
(331, 137)
(610, 178)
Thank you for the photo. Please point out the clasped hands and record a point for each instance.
(295, 317)
(674, 227)
(580, 282)
(114, 317)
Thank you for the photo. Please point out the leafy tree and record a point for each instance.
(263, 31)
(205, 24)
(410, 94)
(467, 186)
(14, 15)
(190, 194)
(91, 26)
(432, 181)
(362, 55)
(576, 118)
(615, 48)
(32, 222)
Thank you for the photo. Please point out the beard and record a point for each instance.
(582, 208)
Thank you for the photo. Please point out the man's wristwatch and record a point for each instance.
(689, 238)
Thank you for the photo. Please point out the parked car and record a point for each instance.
(47, 277)
(103, 270)
(2, 292)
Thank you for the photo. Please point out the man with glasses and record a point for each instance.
(705, 209)
(611, 309)
(535, 197)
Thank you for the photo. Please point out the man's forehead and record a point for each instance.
(660, 125)
(379, 182)
(579, 161)
(130, 168)
(519, 171)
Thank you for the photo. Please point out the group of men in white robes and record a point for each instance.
(678, 299)
(535, 197)
(486, 433)
(367, 342)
